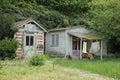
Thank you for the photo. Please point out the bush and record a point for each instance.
(8, 48)
(37, 59)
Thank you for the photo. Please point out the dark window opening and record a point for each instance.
(76, 43)
(29, 40)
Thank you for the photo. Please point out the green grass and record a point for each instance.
(22, 70)
(108, 67)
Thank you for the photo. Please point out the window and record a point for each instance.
(75, 43)
(55, 40)
(29, 40)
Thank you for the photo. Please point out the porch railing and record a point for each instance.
(75, 52)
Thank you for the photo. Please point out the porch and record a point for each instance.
(83, 43)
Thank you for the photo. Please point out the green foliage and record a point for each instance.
(67, 7)
(37, 59)
(8, 48)
(24, 5)
(48, 13)
(6, 23)
(53, 19)
(104, 18)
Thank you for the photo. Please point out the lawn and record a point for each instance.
(22, 70)
(108, 67)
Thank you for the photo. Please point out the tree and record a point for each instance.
(6, 24)
(67, 7)
(104, 17)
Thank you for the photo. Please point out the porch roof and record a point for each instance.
(85, 35)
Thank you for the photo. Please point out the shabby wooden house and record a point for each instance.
(74, 41)
(30, 36)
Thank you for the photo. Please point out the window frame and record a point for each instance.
(54, 40)
(29, 40)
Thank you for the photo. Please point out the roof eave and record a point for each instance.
(85, 37)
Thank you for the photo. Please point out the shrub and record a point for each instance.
(37, 59)
(8, 48)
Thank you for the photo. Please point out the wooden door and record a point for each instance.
(29, 44)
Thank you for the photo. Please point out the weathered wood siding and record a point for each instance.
(61, 48)
(40, 42)
(19, 38)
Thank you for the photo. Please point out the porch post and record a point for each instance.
(81, 48)
(77, 46)
(101, 51)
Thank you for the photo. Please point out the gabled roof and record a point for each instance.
(25, 21)
(85, 35)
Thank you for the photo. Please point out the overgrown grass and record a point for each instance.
(22, 70)
(108, 67)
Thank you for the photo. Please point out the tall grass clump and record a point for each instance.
(38, 59)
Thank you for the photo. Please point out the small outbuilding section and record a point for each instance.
(74, 41)
(31, 38)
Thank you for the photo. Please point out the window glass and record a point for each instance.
(27, 40)
(31, 40)
(55, 40)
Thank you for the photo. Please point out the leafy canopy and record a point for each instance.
(105, 18)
